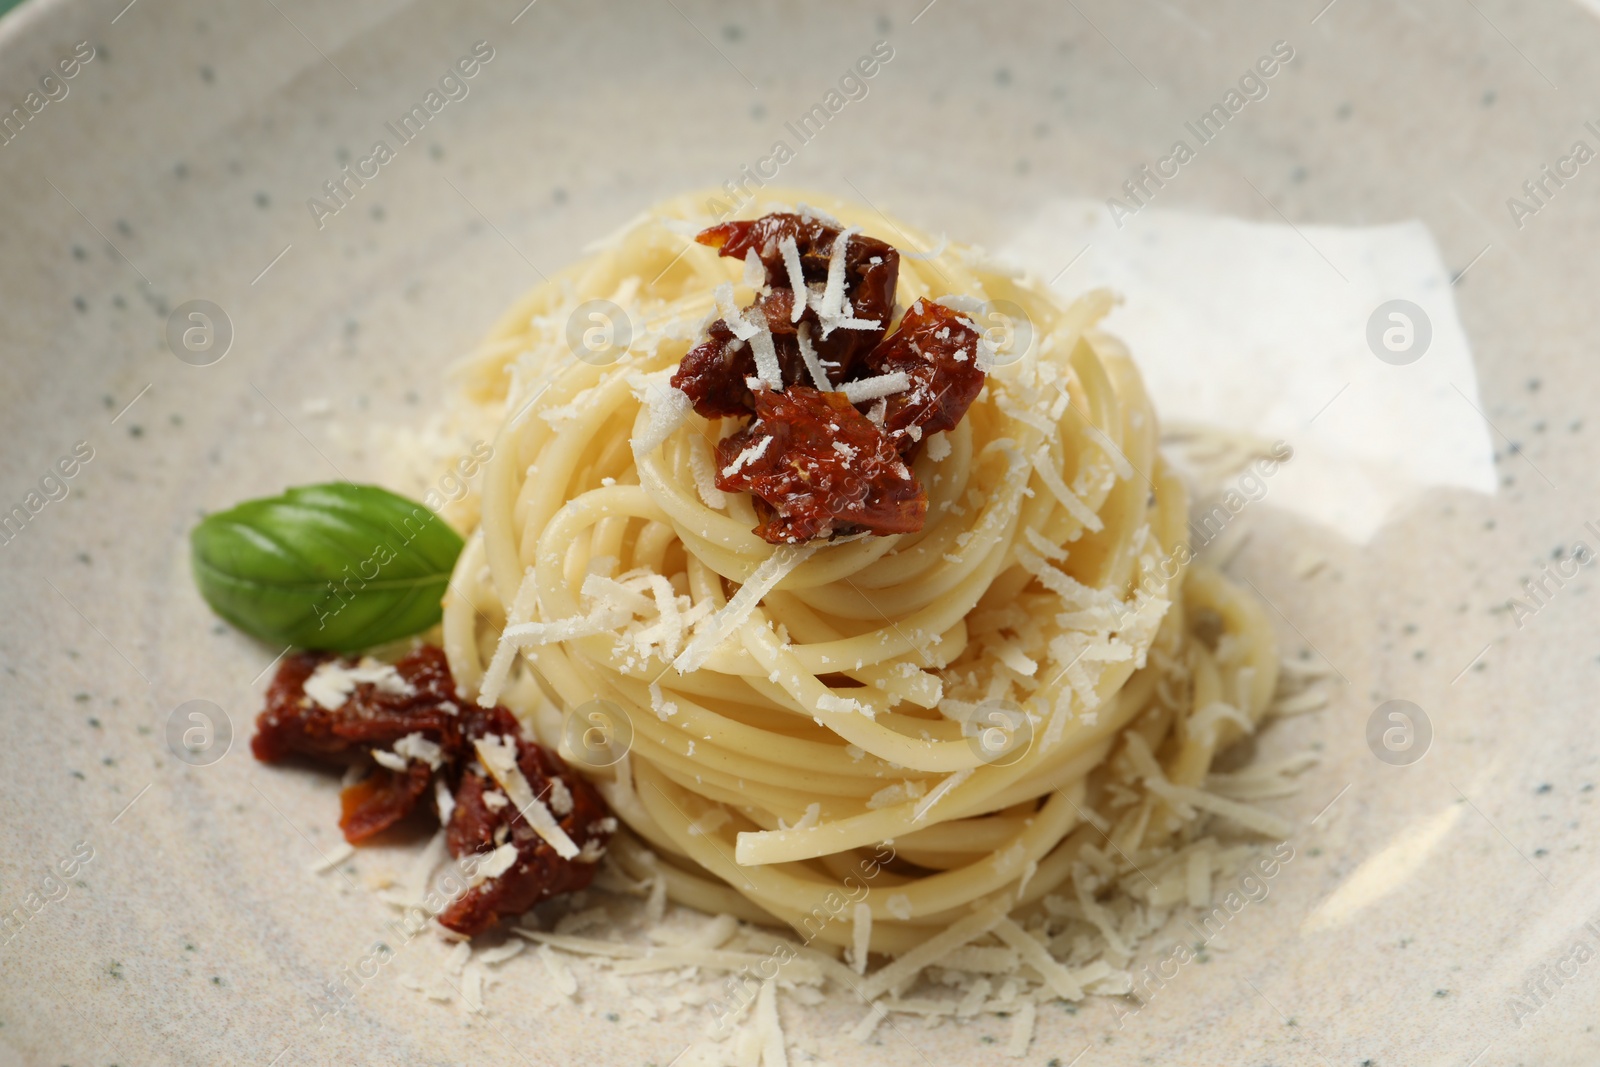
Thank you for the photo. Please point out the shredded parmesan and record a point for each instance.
(910, 964)
(1035, 955)
(797, 280)
(331, 684)
(748, 456)
(768, 1026)
(861, 937)
(766, 352)
(714, 630)
(813, 362)
(496, 863)
(831, 306)
(327, 861)
(864, 389)
(1058, 488)
(755, 272)
(1021, 1030)
(416, 746)
(499, 758)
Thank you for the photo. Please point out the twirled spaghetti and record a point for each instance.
(1038, 671)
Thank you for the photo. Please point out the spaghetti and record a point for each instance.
(1021, 699)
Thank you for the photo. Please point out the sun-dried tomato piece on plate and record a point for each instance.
(713, 374)
(381, 799)
(404, 720)
(326, 707)
(820, 467)
(512, 791)
(937, 349)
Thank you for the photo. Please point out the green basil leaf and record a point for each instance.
(336, 566)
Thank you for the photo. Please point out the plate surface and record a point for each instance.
(1433, 909)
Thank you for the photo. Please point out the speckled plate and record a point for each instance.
(164, 910)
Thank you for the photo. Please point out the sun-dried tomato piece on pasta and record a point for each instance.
(486, 818)
(836, 319)
(713, 374)
(820, 467)
(937, 349)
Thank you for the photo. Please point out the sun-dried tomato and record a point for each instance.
(478, 827)
(936, 348)
(381, 799)
(370, 718)
(294, 724)
(824, 469)
(713, 374)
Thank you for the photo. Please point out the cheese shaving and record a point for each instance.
(813, 362)
(496, 863)
(864, 389)
(416, 746)
(331, 684)
(905, 967)
(1058, 488)
(766, 352)
(499, 757)
(748, 456)
(797, 279)
(861, 937)
(714, 630)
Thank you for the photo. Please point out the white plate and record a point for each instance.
(178, 166)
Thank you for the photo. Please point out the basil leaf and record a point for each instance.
(335, 566)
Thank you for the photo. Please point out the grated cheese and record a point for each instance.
(831, 305)
(982, 959)
(1058, 488)
(939, 447)
(714, 630)
(327, 861)
(861, 937)
(797, 280)
(748, 456)
(443, 801)
(906, 967)
(499, 758)
(863, 1030)
(1040, 544)
(766, 352)
(496, 863)
(755, 272)
(666, 407)
(741, 328)
(1021, 1030)
(555, 965)
(491, 957)
(526, 634)
(768, 1026)
(1035, 955)
(864, 389)
(416, 746)
(813, 362)
(331, 684)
